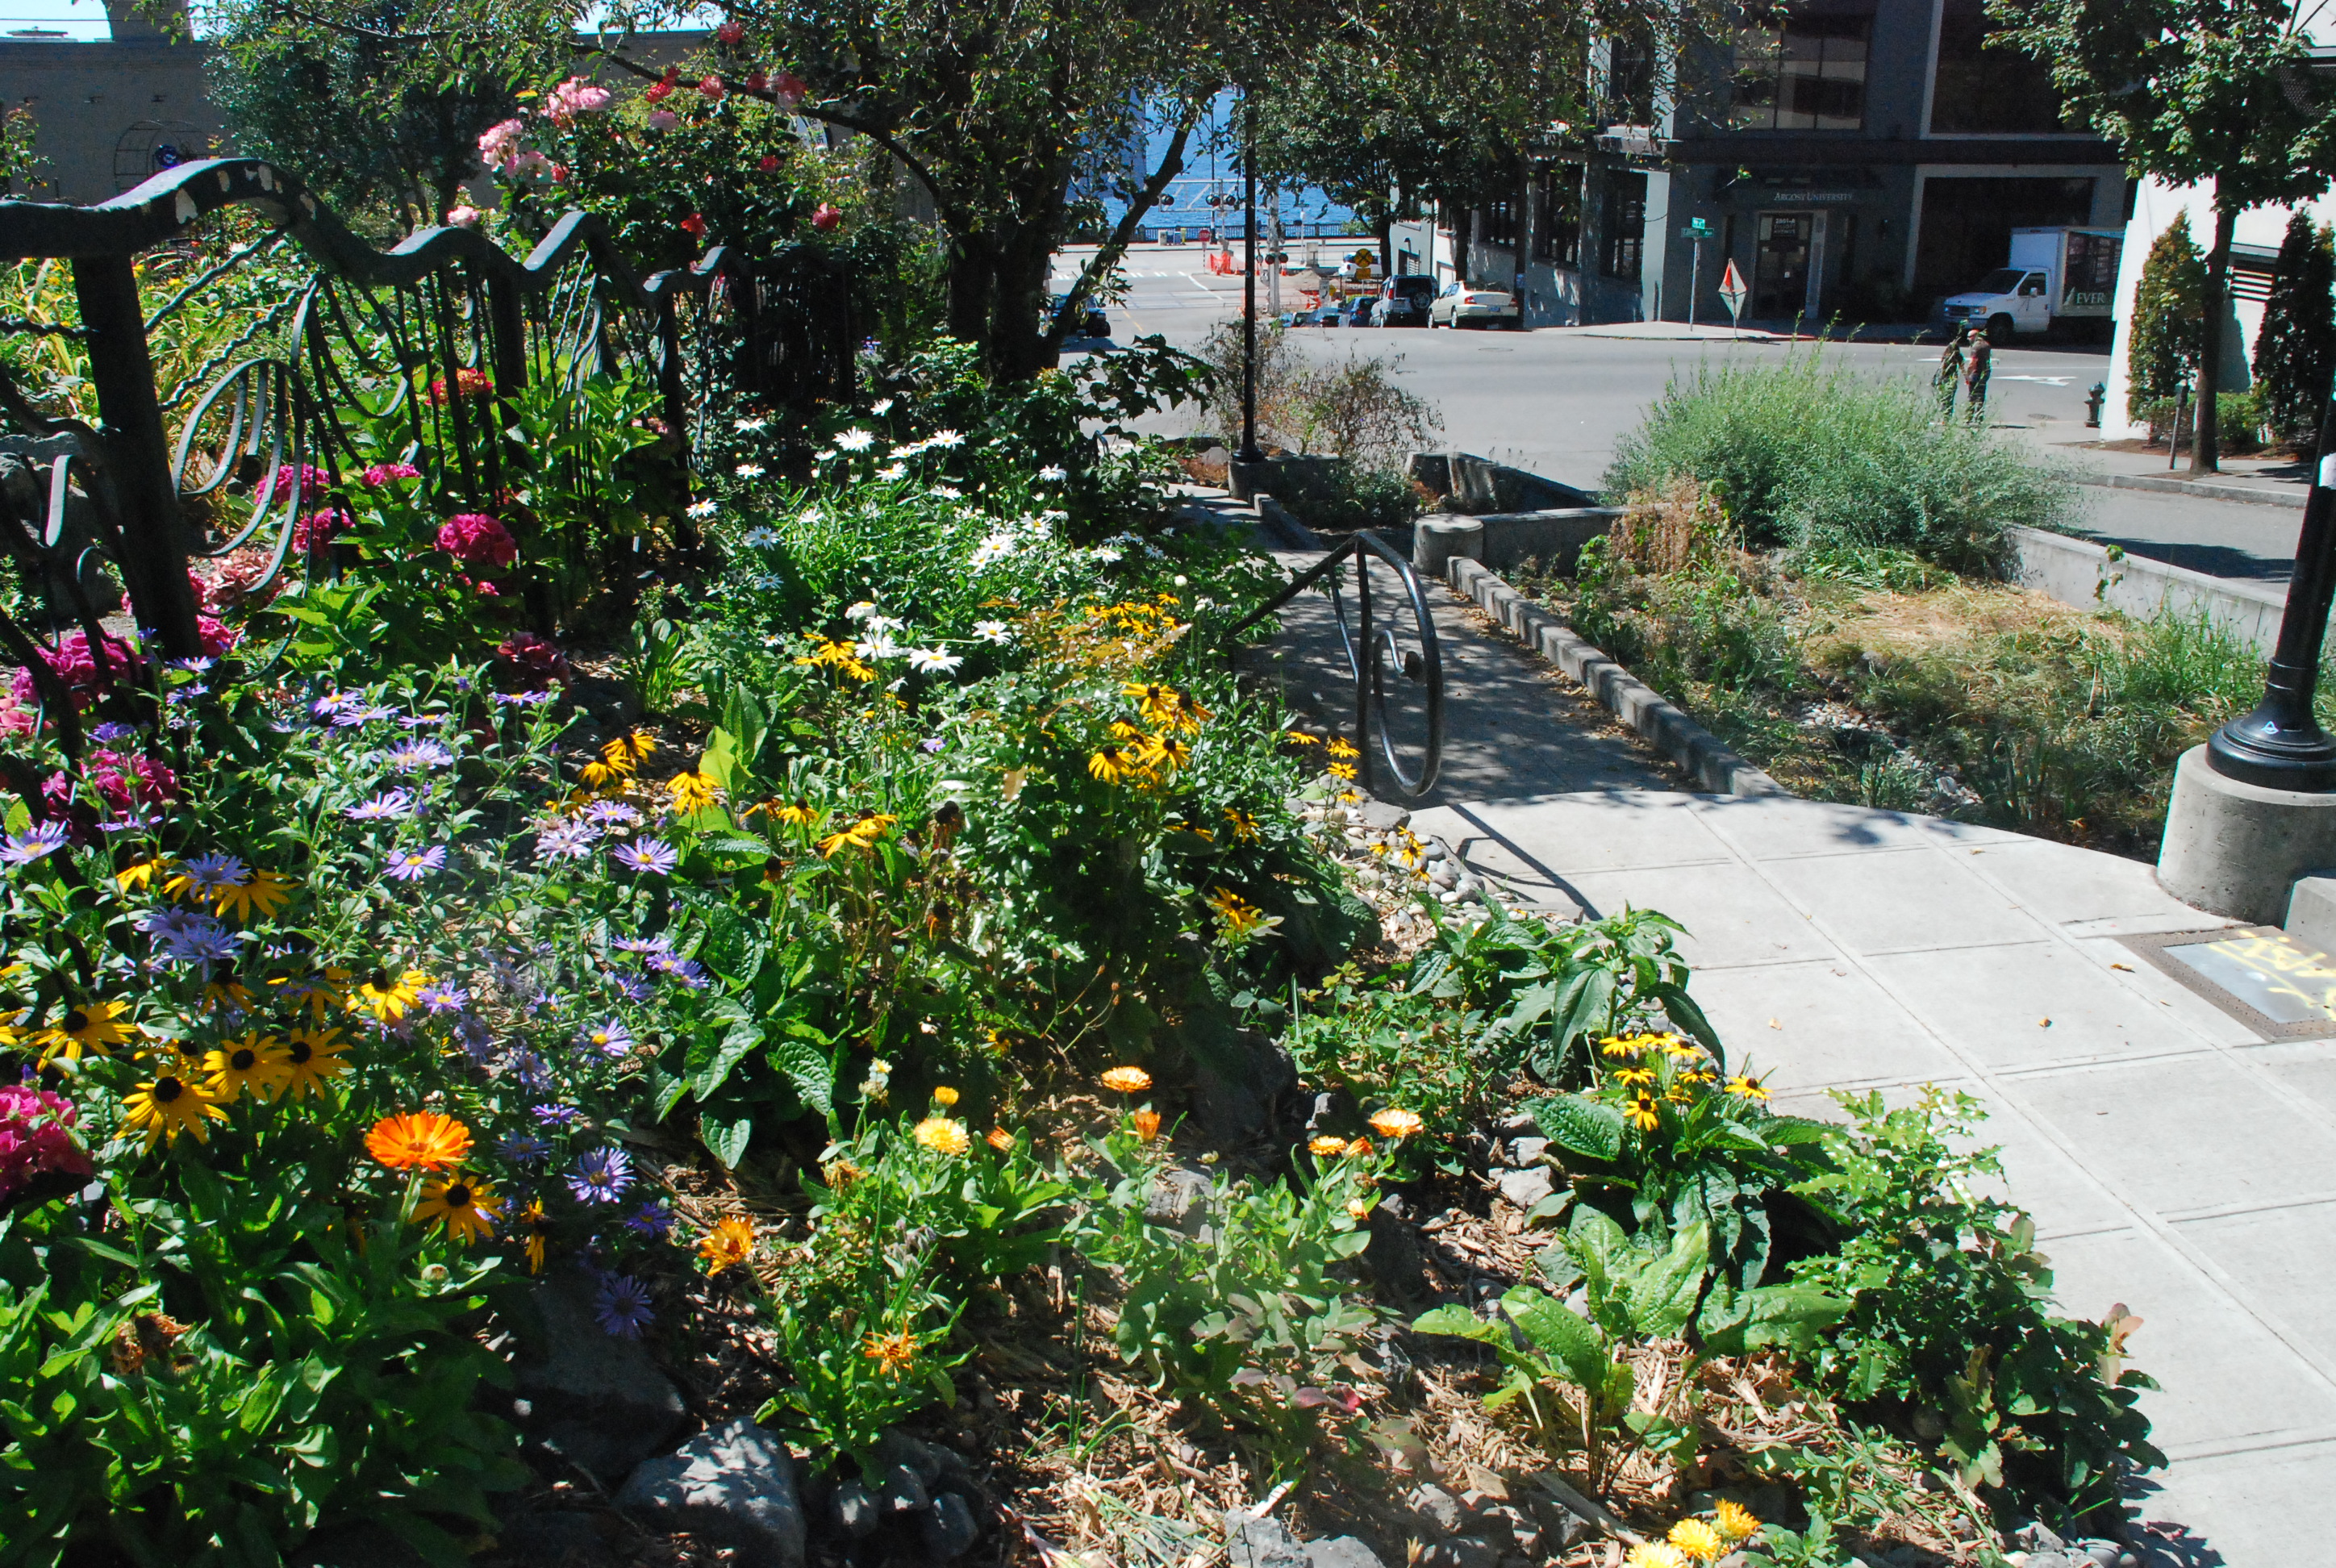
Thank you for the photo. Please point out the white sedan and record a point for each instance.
(1469, 305)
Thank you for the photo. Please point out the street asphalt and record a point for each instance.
(1558, 401)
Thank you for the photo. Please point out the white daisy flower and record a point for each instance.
(810, 515)
(1053, 473)
(934, 661)
(748, 471)
(893, 471)
(1104, 553)
(702, 509)
(855, 440)
(861, 611)
(884, 406)
(992, 631)
(945, 438)
(882, 623)
(747, 426)
(881, 646)
(762, 537)
(946, 493)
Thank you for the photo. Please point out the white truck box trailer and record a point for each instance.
(2054, 276)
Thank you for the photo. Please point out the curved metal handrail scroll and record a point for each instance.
(1371, 648)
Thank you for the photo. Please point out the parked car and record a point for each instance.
(1356, 310)
(1465, 305)
(1320, 315)
(1094, 324)
(1403, 300)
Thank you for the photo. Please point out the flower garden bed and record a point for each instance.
(888, 1051)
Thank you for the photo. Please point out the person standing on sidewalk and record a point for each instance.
(1975, 376)
(1950, 370)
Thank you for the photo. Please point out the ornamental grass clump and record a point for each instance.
(1812, 455)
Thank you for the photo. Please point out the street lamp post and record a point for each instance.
(1248, 452)
(2279, 744)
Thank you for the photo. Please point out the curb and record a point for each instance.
(1665, 724)
(2205, 489)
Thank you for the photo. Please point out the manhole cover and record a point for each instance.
(2259, 975)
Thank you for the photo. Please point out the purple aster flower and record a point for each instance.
(524, 1149)
(932, 744)
(406, 866)
(527, 1068)
(565, 842)
(208, 873)
(414, 755)
(647, 857)
(110, 732)
(611, 1039)
(637, 987)
(440, 997)
(622, 1306)
(642, 945)
(654, 1218)
(600, 1176)
(193, 665)
(351, 717)
(605, 814)
(419, 720)
(185, 937)
(555, 1115)
(383, 807)
(40, 840)
(476, 1039)
(683, 971)
(333, 704)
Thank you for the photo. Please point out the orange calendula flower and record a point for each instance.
(426, 1139)
(945, 1096)
(1147, 1124)
(1358, 1148)
(943, 1135)
(999, 1139)
(892, 1353)
(1325, 1146)
(729, 1244)
(1393, 1123)
(1127, 1080)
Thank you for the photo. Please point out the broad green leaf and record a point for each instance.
(802, 1054)
(1563, 1335)
(1579, 1125)
(1460, 1323)
(1663, 1294)
(727, 1141)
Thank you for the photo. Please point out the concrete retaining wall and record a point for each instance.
(2079, 572)
(1509, 539)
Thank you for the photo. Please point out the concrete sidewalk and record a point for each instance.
(2174, 1160)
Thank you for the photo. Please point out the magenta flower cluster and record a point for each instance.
(477, 538)
(37, 1139)
(85, 670)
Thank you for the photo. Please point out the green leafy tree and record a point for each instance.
(2295, 348)
(2192, 92)
(20, 166)
(350, 100)
(2168, 308)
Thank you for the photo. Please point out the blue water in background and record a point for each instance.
(1212, 167)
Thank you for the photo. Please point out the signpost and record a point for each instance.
(1732, 289)
(1698, 229)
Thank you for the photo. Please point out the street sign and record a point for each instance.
(1732, 289)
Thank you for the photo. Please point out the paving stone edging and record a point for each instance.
(1665, 724)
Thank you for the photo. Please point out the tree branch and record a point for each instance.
(1106, 256)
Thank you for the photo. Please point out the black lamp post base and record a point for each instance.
(2260, 750)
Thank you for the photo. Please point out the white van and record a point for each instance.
(2055, 276)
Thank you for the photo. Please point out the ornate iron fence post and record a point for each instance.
(137, 452)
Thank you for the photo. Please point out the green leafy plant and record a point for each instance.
(1952, 1313)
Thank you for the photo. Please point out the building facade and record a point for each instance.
(109, 114)
(1858, 160)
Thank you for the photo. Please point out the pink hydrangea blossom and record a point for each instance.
(36, 1138)
(122, 781)
(320, 527)
(663, 120)
(475, 537)
(573, 97)
(84, 675)
(534, 663)
(463, 217)
(381, 473)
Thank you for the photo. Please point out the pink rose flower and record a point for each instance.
(573, 97)
(711, 89)
(463, 217)
(827, 218)
(664, 120)
(730, 31)
(498, 143)
(789, 89)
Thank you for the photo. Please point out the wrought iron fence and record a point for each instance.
(438, 340)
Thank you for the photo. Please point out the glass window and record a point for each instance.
(1982, 89)
(1807, 73)
(1557, 221)
(1497, 223)
(1623, 224)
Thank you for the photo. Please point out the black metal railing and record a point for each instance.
(434, 339)
(1372, 648)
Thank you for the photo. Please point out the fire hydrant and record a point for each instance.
(2093, 401)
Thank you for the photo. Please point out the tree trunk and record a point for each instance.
(972, 281)
(2204, 431)
(1460, 222)
(1386, 228)
(1521, 211)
